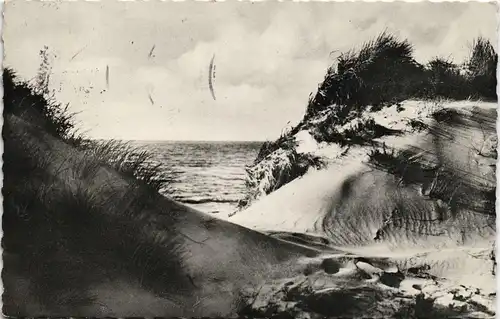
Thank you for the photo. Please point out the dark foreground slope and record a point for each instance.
(84, 239)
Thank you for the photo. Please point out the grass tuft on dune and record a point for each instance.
(87, 233)
(58, 214)
(381, 73)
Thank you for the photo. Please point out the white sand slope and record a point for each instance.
(344, 205)
(305, 205)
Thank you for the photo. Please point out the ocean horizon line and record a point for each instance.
(178, 141)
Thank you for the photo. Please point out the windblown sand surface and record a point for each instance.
(307, 250)
(344, 206)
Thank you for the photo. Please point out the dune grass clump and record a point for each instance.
(278, 169)
(445, 80)
(293, 166)
(131, 162)
(80, 206)
(379, 73)
(42, 110)
(360, 131)
(385, 67)
(276, 164)
(383, 72)
(481, 69)
(286, 141)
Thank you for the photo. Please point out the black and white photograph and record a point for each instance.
(239, 159)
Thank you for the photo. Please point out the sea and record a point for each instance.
(208, 176)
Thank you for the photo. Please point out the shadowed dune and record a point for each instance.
(432, 184)
(90, 242)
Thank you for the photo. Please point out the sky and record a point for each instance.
(269, 56)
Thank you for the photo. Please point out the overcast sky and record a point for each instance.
(269, 56)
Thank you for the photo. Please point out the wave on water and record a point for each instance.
(209, 176)
(206, 200)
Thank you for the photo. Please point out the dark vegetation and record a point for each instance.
(384, 72)
(42, 110)
(299, 164)
(296, 165)
(360, 133)
(285, 141)
(58, 215)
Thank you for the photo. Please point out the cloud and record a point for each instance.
(269, 56)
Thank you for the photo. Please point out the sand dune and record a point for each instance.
(200, 261)
(353, 198)
(308, 249)
(369, 211)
